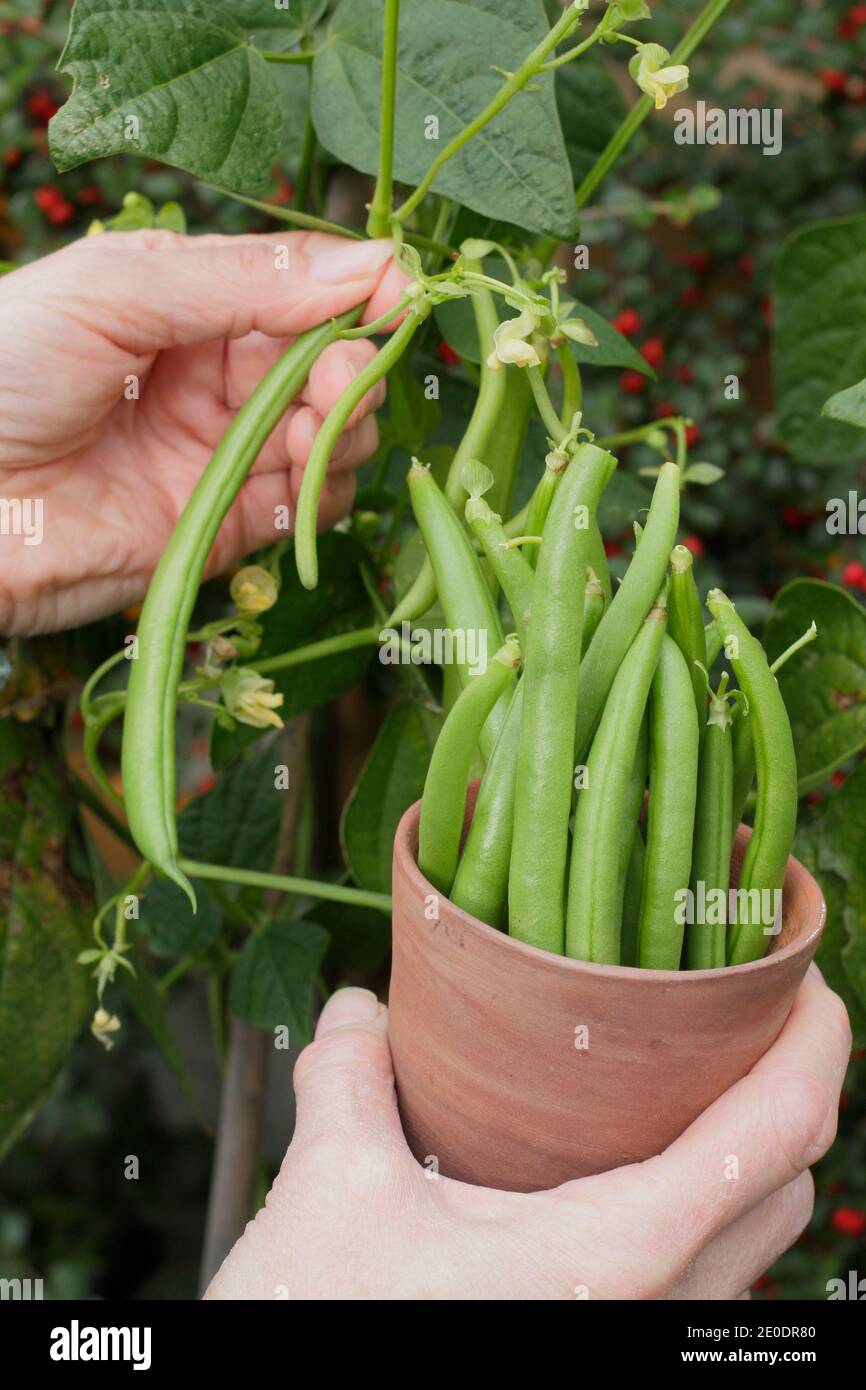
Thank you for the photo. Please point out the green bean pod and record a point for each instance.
(481, 885)
(743, 769)
(540, 503)
(605, 804)
(766, 857)
(671, 811)
(148, 757)
(686, 626)
(545, 766)
(331, 431)
(492, 394)
(504, 448)
(593, 606)
(711, 855)
(510, 566)
(634, 597)
(632, 850)
(467, 603)
(443, 804)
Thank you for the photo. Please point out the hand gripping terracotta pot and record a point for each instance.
(519, 1069)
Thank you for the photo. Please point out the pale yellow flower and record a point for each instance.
(511, 345)
(251, 698)
(648, 69)
(103, 1025)
(253, 590)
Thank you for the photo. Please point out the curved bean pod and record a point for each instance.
(711, 855)
(443, 804)
(671, 811)
(545, 766)
(595, 878)
(148, 757)
(686, 626)
(510, 566)
(766, 856)
(593, 606)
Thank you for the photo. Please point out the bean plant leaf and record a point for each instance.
(515, 169)
(167, 920)
(272, 983)
(391, 780)
(237, 822)
(360, 937)
(339, 604)
(849, 405)
(624, 501)
(150, 1005)
(591, 108)
(824, 684)
(819, 344)
(45, 915)
(176, 80)
(834, 850)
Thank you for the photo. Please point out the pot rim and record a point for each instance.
(796, 874)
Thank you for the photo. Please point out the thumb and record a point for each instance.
(344, 1081)
(150, 290)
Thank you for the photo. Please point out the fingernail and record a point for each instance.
(347, 1007)
(357, 260)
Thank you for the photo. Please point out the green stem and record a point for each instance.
(306, 56)
(308, 149)
(572, 395)
(284, 883)
(515, 83)
(368, 330)
(379, 221)
(329, 646)
(545, 405)
(636, 435)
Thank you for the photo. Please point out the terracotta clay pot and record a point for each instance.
(519, 1069)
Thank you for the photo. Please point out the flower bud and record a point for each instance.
(254, 590)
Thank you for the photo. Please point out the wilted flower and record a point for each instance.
(254, 590)
(647, 67)
(511, 343)
(250, 698)
(103, 1025)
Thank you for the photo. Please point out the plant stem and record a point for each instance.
(515, 83)
(379, 221)
(284, 883)
(545, 405)
(572, 388)
(308, 149)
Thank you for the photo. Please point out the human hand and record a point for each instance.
(190, 324)
(352, 1215)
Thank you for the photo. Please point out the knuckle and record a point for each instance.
(152, 239)
(799, 1110)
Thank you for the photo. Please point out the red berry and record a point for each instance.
(653, 352)
(29, 25)
(284, 194)
(854, 575)
(89, 195)
(627, 322)
(761, 1282)
(837, 779)
(633, 383)
(665, 408)
(683, 373)
(845, 29)
(42, 106)
(612, 549)
(691, 295)
(855, 91)
(695, 545)
(848, 1221)
(834, 79)
(46, 196)
(693, 434)
(12, 157)
(857, 14)
(207, 783)
(699, 261)
(60, 212)
(747, 264)
(833, 1187)
(794, 518)
(814, 798)
(446, 354)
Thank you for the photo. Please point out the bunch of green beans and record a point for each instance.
(604, 823)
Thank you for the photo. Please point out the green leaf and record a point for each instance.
(300, 617)
(45, 915)
(360, 936)
(175, 80)
(622, 501)
(151, 1008)
(704, 474)
(819, 342)
(272, 982)
(237, 821)
(835, 851)
(591, 108)
(824, 684)
(516, 169)
(848, 405)
(391, 780)
(167, 920)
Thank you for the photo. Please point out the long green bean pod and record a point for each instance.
(596, 874)
(481, 885)
(148, 757)
(630, 605)
(490, 401)
(686, 626)
(541, 499)
(510, 566)
(467, 603)
(443, 803)
(711, 855)
(766, 857)
(330, 432)
(631, 847)
(545, 766)
(631, 897)
(671, 811)
(504, 448)
(593, 605)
